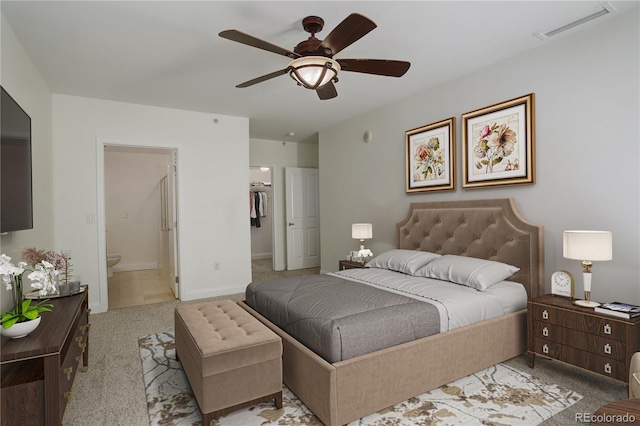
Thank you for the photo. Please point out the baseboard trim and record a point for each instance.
(257, 256)
(135, 266)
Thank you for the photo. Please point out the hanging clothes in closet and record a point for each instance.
(258, 207)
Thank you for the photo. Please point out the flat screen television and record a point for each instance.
(16, 200)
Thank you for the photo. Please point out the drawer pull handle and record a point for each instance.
(545, 348)
(607, 349)
(79, 358)
(545, 314)
(82, 346)
(607, 368)
(78, 339)
(545, 332)
(67, 396)
(68, 372)
(607, 329)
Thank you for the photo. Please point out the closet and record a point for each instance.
(260, 205)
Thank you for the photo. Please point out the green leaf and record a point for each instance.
(7, 324)
(31, 314)
(25, 305)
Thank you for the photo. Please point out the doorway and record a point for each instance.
(138, 225)
(262, 211)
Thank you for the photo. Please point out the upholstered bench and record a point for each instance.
(231, 359)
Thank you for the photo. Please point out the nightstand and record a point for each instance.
(600, 343)
(348, 264)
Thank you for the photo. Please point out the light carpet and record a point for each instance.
(498, 395)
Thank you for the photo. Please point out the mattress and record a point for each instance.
(458, 305)
(349, 313)
(340, 319)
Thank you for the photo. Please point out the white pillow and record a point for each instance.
(405, 261)
(470, 271)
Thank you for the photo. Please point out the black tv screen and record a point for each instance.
(16, 203)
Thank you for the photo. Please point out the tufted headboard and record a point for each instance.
(487, 229)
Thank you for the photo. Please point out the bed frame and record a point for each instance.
(345, 391)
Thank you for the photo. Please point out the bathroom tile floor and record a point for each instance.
(134, 288)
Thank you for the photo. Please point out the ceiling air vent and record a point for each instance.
(602, 10)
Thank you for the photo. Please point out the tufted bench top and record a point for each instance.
(225, 337)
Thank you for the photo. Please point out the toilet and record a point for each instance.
(112, 260)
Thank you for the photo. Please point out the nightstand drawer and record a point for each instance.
(578, 321)
(597, 364)
(602, 346)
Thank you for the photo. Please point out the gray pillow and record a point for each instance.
(400, 260)
(470, 271)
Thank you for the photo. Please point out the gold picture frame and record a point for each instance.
(498, 144)
(430, 157)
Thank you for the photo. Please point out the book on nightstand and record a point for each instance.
(617, 309)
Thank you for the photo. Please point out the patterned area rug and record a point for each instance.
(499, 395)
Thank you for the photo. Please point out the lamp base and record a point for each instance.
(586, 303)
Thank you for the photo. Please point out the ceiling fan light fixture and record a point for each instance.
(313, 72)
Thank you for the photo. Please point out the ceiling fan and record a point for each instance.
(312, 64)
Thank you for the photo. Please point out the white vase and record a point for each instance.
(20, 329)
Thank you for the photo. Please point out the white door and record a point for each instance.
(303, 217)
(173, 223)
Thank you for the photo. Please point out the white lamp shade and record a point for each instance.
(361, 231)
(587, 245)
(313, 71)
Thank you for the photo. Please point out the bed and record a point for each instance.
(344, 391)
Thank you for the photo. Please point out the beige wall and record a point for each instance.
(587, 109)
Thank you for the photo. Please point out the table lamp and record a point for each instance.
(362, 231)
(587, 246)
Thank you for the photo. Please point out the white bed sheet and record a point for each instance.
(458, 305)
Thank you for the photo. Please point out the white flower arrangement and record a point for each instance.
(43, 279)
(42, 274)
(365, 254)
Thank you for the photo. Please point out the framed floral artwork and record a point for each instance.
(498, 144)
(430, 152)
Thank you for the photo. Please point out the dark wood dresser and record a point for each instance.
(38, 370)
(579, 336)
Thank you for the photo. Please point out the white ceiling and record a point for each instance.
(169, 54)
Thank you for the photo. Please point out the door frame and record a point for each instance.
(101, 205)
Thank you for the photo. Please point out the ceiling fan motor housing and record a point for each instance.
(311, 46)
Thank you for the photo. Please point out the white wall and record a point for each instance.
(23, 82)
(278, 155)
(213, 169)
(132, 205)
(587, 109)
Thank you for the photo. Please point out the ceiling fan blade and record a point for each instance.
(249, 40)
(263, 78)
(375, 66)
(350, 30)
(328, 91)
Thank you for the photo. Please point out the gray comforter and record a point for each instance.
(340, 319)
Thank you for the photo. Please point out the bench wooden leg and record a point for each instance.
(206, 419)
(278, 399)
